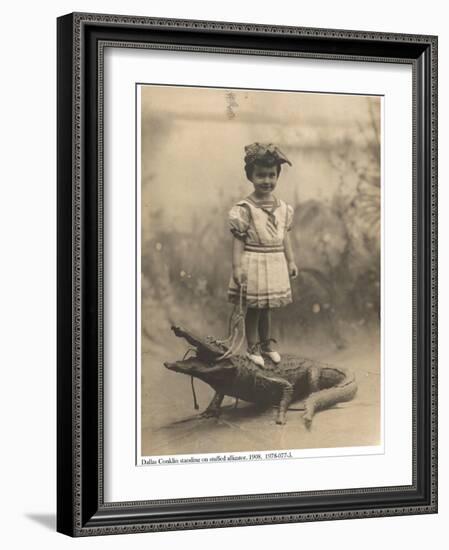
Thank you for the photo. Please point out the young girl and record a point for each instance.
(262, 257)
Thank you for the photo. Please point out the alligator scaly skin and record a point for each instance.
(319, 384)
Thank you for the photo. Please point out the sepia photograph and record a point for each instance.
(260, 280)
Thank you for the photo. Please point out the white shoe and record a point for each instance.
(273, 355)
(256, 358)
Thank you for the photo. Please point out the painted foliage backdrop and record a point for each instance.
(192, 173)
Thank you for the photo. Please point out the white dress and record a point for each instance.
(263, 261)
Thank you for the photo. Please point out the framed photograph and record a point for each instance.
(247, 274)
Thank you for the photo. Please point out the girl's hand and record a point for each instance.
(292, 270)
(238, 276)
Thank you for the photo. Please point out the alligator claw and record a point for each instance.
(307, 422)
(281, 420)
(210, 413)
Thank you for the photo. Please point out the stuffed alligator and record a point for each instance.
(320, 385)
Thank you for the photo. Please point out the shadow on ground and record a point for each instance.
(46, 520)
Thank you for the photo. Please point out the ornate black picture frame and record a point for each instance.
(81, 509)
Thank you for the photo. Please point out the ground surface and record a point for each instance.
(170, 424)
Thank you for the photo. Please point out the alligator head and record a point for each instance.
(207, 348)
(213, 374)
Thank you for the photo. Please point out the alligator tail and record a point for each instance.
(323, 399)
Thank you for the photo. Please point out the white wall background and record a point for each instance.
(28, 268)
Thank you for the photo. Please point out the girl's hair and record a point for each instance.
(265, 163)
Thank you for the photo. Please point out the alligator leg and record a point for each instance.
(314, 378)
(213, 409)
(286, 397)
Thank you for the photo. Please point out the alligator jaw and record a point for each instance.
(169, 366)
(204, 347)
(177, 366)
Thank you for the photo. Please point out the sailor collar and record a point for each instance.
(276, 204)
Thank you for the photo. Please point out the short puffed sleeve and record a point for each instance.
(289, 221)
(239, 220)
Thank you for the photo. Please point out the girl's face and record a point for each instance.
(264, 179)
